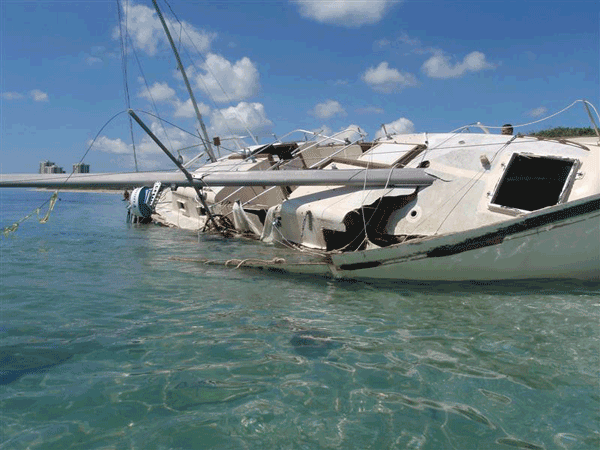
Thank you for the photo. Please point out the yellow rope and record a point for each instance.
(15, 226)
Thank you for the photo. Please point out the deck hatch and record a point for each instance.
(534, 182)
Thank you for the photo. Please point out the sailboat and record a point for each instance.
(443, 206)
(449, 206)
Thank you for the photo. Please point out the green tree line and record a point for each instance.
(564, 132)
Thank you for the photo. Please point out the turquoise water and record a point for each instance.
(108, 343)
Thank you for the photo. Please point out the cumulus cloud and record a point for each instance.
(400, 126)
(163, 93)
(148, 154)
(341, 83)
(348, 13)
(108, 145)
(147, 34)
(237, 119)
(350, 132)
(35, 95)
(12, 96)
(186, 109)
(441, 66)
(98, 55)
(224, 81)
(388, 80)
(158, 92)
(91, 60)
(404, 41)
(538, 112)
(370, 110)
(38, 95)
(328, 109)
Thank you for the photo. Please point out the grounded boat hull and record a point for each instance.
(562, 242)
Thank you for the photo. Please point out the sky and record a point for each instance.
(70, 69)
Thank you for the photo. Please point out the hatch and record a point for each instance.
(532, 182)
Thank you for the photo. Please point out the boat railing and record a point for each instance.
(317, 164)
(301, 150)
(347, 143)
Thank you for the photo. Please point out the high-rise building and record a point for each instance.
(81, 168)
(50, 167)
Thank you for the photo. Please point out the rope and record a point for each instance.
(7, 231)
(52, 200)
(231, 262)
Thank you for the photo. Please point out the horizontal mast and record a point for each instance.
(340, 177)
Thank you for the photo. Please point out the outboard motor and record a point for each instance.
(142, 202)
(139, 202)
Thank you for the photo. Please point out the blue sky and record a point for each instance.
(281, 65)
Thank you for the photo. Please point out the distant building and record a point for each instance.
(81, 168)
(50, 167)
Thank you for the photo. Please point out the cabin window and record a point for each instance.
(182, 208)
(534, 182)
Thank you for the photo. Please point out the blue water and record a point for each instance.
(107, 342)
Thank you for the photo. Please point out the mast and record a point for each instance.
(207, 145)
(188, 175)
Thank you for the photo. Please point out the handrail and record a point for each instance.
(310, 167)
(300, 151)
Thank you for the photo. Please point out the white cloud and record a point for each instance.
(231, 121)
(148, 154)
(381, 43)
(159, 92)
(147, 34)
(328, 109)
(400, 126)
(91, 60)
(35, 94)
(387, 80)
(370, 110)
(350, 132)
(12, 96)
(324, 129)
(116, 146)
(225, 82)
(186, 109)
(538, 112)
(38, 95)
(341, 83)
(348, 13)
(162, 92)
(404, 41)
(440, 65)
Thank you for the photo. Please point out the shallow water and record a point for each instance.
(107, 342)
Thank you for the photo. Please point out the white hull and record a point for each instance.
(564, 244)
(569, 250)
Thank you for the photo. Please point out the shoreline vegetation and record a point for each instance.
(563, 132)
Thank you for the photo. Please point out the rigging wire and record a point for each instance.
(535, 121)
(206, 89)
(471, 183)
(6, 231)
(150, 95)
(122, 41)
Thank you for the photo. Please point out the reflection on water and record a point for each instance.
(107, 342)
